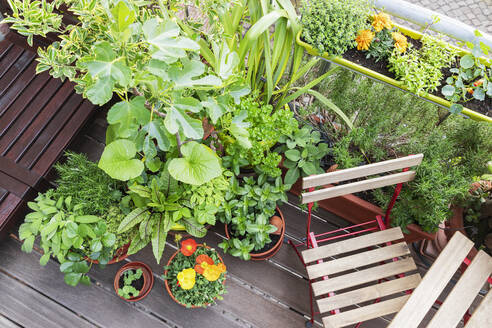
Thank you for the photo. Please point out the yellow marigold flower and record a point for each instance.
(364, 39)
(400, 41)
(186, 278)
(381, 21)
(211, 272)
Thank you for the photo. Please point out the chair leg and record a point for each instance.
(311, 301)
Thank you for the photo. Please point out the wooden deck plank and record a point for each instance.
(363, 276)
(368, 312)
(22, 141)
(369, 293)
(352, 244)
(433, 283)
(97, 305)
(10, 54)
(482, 316)
(357, 260)
(13, 104)
(14, 71)
(7, 323)
(46, 157)
(29, 308)
(7, 206)
(58, 123)
(463, 293)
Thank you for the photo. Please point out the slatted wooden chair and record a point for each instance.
(364, 263)
(39, 116)
(463, 294)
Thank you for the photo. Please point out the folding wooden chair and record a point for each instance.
(463, 294)
(378, 268)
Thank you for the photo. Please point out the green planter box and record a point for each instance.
(383, 78)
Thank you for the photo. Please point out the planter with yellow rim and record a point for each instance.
(386, 79)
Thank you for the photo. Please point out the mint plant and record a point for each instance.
(303, 152)
(129, 277)
(68, 235)
(249, 206)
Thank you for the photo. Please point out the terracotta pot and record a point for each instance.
(120, 254)
(167, 285)
(272, 251)
(455, 223)
(147, 275)
(357, 210)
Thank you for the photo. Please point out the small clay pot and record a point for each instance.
(147, 275)
(167, 285)
(272, 251)
(120, 254)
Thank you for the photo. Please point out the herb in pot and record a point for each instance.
(131, 283)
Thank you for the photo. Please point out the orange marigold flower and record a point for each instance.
(364, 39)
(188, 247)
(381, 21)
(401, 42)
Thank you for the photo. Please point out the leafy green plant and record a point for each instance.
(303, 152)
(247, 211)
(202, 292)
(420, 70)
(68, 235)
(130, 276)
(382, 45)
(472, 80)
(264, 127)
(331, 25)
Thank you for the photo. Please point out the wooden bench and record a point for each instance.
(39, 116)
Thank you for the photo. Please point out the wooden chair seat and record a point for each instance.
(461, 296)
(375, 272)
(39, 116)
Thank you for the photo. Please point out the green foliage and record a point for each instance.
(391, 124)
(248, 208)
(472, 80)
(303, 152)
(66, 234)
(204, 292)
(331, 25)
(129, 276)
(265, 127)
(86, 184)
(382, 45)
(420, 70)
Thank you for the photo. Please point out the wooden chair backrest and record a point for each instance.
(359, 172)
(461, 296)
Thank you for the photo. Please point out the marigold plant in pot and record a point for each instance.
(254, 224)
(133, 281)
(195, 275)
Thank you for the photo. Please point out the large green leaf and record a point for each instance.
(194, 228)
(100, 92)
(118, 161)
(123, 16)
(133, 218)
(198, 165)
(169, 46)
(156, 130)
(177, 119)
(106, 64)
(159, 235)
(189, 75)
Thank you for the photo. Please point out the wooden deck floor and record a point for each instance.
(271, 293)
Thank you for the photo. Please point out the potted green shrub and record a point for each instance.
(195, 275)
(77, 221)
(381, 53)
(133, 281)
(254, 225)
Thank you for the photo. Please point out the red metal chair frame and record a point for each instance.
(311, 239)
